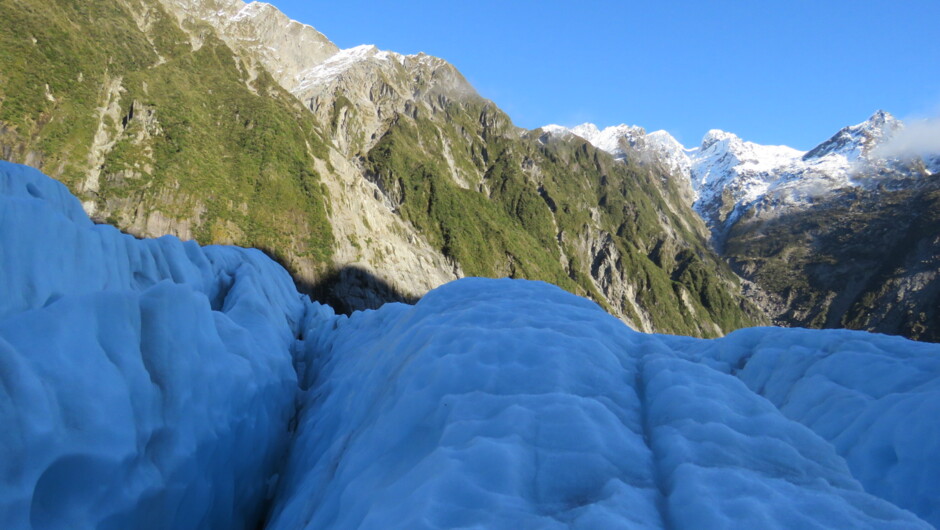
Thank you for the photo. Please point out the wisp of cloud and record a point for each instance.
(917, 138)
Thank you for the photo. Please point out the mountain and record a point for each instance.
(731, 176)
(156, 383)
(860, 258)
(372, 176)
(843, 235)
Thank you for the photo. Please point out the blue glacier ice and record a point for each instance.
(160, 384)
(512, 404)
(143, 383)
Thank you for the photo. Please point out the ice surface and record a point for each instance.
(143, 383)
(512, 404)
(876, 398)
(159, 384)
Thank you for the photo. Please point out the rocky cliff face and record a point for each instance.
(260, 35)
(844, 237)
(859, 259)
(193, 133)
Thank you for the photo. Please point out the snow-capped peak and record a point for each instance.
(556, 130)
(881, 120)
(858, 140)
(717, 135)
(586, 131)
(664, 139)
(724, 146)
(609, 138)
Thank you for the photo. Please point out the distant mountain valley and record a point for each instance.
(374, 176)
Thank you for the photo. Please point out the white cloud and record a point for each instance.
(917, 138)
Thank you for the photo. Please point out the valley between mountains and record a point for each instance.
(374, 176)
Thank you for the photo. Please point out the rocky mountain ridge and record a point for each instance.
(258, 32)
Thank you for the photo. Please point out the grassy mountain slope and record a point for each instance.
(110, 98)
(560, 210)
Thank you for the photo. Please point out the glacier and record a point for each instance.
(137, 375)
(161, 384)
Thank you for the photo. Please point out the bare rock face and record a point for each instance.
(863, 259)
(360, 90)
(372, 239)
(356, 91)
(608, 276)
(350, 91)
(259, 33)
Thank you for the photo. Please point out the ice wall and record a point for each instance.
(143, 383)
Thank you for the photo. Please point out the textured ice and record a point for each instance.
(504, 403)
(159, 384)
(143, 383)
(876, 398)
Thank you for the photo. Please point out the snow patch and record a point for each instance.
(338, 64)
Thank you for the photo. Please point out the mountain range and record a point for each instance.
(200, 279)
(842, 235)
(372, 176)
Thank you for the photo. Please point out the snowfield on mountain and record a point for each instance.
(160, 384)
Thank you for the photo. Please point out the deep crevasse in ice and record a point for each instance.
(152, 384)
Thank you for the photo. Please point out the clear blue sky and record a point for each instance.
(777, 72)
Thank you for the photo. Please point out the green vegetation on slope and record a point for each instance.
(189, 136)
(529, 216)
(162, 132)
(487, 237)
